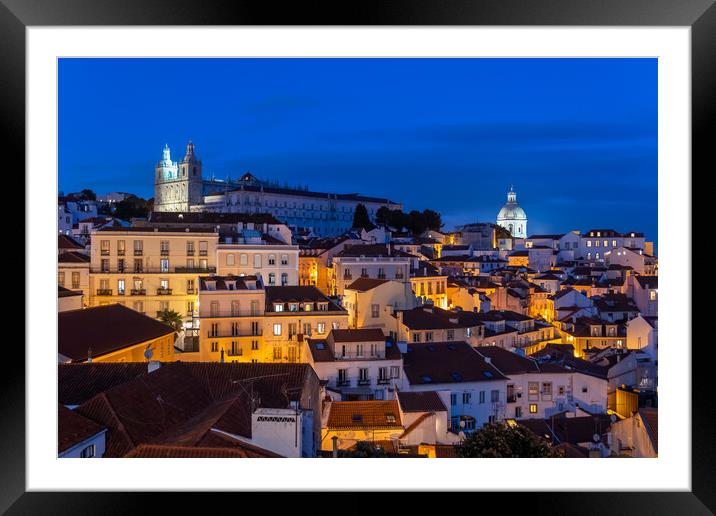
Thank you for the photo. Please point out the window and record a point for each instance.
(277, 329)
(277, 352)
(257, 261)
(138, 265)
(518, 412)
(214, 347)
(321, 328)
(482, 396)
(203, 248)
(652, 295)
(278, 307)
(190, 248)
(560, 390)
(374, 311)
(547, 391)
(363, 374)
(190, 307)
(230, 259)
(138, 248)
(190, 286)
(243, 259)
(466, 398)
(61, 279)
(533, 391)
(203, 263)
(395, 371)
(453, 399)
(120, 247)
(120, 265)
(272, 278)
(163, 306)
(284, 279)
(284, 259)
(254, 345)
(105, 265)
(272, 259)
(138, 306)
(234, 308)
(120, 287)
(428, 336)
(533, 408)
(104, 247)
(88, 452)
(468, 332)
(450, 334)
(416, 337)
(359, 350)
(164, 247)
(494, 396)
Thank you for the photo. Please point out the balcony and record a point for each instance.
(120, 252)
(164, 252)
(138, 292)
(191, 291)
(364, 381)
(190, 252)
(104, 291)
(164, 292)
(104, 252)
(233, 335)
(383, 381)
(343, 383)
(203, 253)
(138, 252)
(190, 270)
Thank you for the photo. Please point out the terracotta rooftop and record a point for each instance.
(73, 428)
(357, 335)
(446, 362)
(374, 414)
(73, 257)
(365, 284)
(163, 451)
(301, 294)
(79, 382)
(66, 242)
(104, 329)
(420, 401)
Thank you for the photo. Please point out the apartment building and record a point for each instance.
(151, 269)
(380, 261)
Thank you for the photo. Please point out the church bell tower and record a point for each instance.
(177, 187)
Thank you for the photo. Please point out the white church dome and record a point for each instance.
(511, 210)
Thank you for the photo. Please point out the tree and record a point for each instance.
(364, 449)
(132, 206)
(88, 195)
(361, 218)
(417, 223)
(433, 220)
(498, 440)
(173, 319)
(382, 216)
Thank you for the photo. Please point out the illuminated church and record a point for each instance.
(181, 187)
(512, 217)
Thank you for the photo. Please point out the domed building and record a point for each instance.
(512, 217)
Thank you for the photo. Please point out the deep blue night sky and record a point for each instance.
(576, 137)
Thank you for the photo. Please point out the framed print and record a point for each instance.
(418, 232)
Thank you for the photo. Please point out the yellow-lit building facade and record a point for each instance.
(150, 270)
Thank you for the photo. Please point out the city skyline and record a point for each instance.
(335, 128)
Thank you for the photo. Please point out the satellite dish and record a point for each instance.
(148, 354)
(596, 438)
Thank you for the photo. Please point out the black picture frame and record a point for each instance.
(700, 15)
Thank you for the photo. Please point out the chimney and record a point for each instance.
(335, 446)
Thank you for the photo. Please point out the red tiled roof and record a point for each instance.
(365, 284)
(73, 257)
(104, 329)
(66, 242)
(446, 362)
(420, 401)
(374, 414)
(163, 451)
(78, 383)
(73, 428)
(357, 335)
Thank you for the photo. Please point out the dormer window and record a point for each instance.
(322, 306)
(293, 307)
(595, 331)
(307, 307)
(278, 307)
(210, 285)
